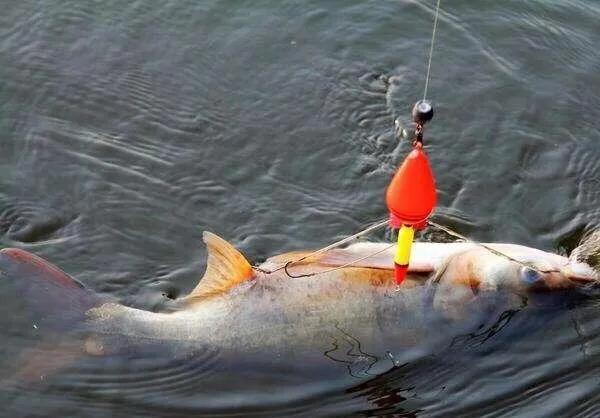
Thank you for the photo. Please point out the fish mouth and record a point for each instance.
(581, 273)
(582, 280)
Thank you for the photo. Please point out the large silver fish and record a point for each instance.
(247, 312)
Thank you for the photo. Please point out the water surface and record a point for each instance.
(129, 128)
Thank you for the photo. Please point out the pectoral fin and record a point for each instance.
(226, 267)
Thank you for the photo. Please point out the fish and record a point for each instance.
(310, 309)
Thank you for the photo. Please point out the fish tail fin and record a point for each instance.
(51, 296)
(44, 312)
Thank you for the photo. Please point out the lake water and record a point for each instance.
(128, 128)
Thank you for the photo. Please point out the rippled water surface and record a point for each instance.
(128, 128)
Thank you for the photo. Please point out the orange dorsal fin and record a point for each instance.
(226, 267)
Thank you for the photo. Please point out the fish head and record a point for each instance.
(514, 268)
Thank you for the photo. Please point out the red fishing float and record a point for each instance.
(411, 195)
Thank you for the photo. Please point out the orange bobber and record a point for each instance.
(411, 195)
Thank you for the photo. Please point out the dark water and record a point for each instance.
(128, 128)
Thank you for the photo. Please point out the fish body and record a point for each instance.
(248, 311)
(240, 309)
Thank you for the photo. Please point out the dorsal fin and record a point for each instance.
(226, 267)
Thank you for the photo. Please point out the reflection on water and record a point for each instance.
(348, 351)
(129, 129)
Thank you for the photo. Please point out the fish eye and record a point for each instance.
(529, 275)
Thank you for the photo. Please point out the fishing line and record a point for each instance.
(487, 247)
(435, 21)
(336, 244)
(348, 264)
